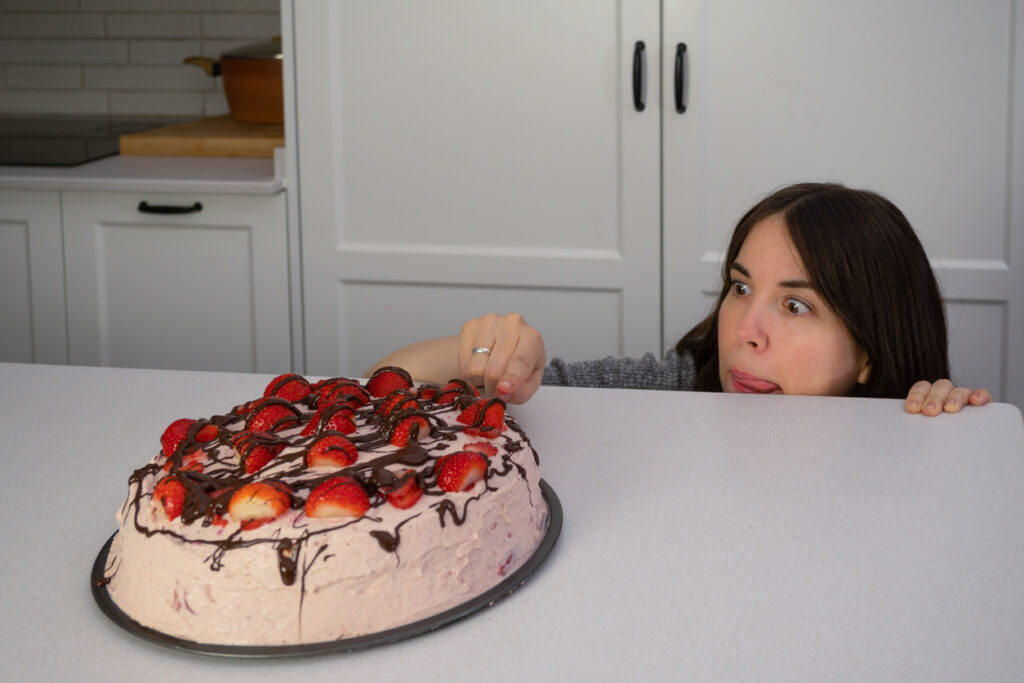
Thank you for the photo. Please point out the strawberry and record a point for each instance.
(336, 417)
(170, 493)
(207, 432)
(258, 502)
(255, 449)
(460, 471)
(400, 399)
(413, 427)
(427, 392)
(404, 494)
(338, 497)
(288, 386)
(485, 418)
(174, 434)
(331, 450)
(483, 448)
(348, 392)
(272, 415)
(189, 461)
(456, 388)
(387, 379)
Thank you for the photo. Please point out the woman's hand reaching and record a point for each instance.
(503, 354)
(932, 399)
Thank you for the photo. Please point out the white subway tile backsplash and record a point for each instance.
(162, 51)
(34, 25)
(154, 25)
(182, 77)
(122, 57)
(53, 102)
(256, 26)
(42, 51)
(186, 105)
(43, 77)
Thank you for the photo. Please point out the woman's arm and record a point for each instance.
(932, 399)
(511, 370)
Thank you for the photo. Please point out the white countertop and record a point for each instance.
(209, 175)
(705, 537)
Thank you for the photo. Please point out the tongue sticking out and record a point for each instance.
(753, 385)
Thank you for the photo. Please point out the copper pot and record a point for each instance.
(252, 81)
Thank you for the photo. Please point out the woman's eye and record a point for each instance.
(740, 288)
(796, 307)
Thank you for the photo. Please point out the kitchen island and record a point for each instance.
(705, 537)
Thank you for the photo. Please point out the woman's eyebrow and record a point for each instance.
(786, 284)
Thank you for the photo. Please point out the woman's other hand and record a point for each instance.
(514, 364)
(931, 399)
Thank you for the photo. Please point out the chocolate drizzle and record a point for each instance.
(212, 471)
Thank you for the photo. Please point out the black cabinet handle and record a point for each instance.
(638, 75)
(680, 77)
(146, 207)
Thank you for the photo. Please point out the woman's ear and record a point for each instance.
(865, 369)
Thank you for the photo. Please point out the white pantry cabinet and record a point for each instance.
(461, 157)
(910, 98)
(457, 157)
(177, 281)
(34, 328)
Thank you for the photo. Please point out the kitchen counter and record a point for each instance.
(705, 537)
(208, 175)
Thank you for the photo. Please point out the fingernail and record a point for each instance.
(930, 405)
(913, 404)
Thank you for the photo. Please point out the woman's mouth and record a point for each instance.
(748, 384)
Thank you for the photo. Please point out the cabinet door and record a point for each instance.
(458, 157)
(34, 328)
(910, 98)
(206, 290)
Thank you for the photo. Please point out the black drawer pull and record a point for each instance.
(680, 78)
(639, 66)
(146, 207)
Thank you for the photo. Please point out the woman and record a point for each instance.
(825, 291)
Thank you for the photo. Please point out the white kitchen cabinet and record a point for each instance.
(909, 98)
(34, 328)
(458, 157)
(203, 289)
(470, 157)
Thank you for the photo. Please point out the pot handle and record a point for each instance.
(208, 65)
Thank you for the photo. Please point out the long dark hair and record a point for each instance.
(863, 257)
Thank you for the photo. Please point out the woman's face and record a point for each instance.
(776, 335)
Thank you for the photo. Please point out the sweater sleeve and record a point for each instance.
(674, 373)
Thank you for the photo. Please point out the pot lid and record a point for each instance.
(267, 50)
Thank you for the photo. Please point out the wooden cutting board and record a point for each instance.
(218, 136)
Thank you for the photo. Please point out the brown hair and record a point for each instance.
(863, 257)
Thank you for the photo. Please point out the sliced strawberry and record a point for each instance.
(331, 450)
(338, 497)
(413, 427)
(207, 433)
(388, 379)
(405, 493)
(174, 434)
(485, 418)
(169, 492)
(344, 391)
(272, 415)
(455, 389)
(401, 399)
(336, 417)
(255, 449)
(460, 471)
(288, 386)
(189, 461)
(428, 392)
(258, 502)
(482, 447)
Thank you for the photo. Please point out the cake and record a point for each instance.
(326, 511)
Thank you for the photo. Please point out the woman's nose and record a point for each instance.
(751, 329)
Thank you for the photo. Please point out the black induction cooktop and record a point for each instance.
(66, 141)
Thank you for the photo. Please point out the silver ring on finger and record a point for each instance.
(481, 349)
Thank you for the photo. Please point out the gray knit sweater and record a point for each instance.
(674, 373)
